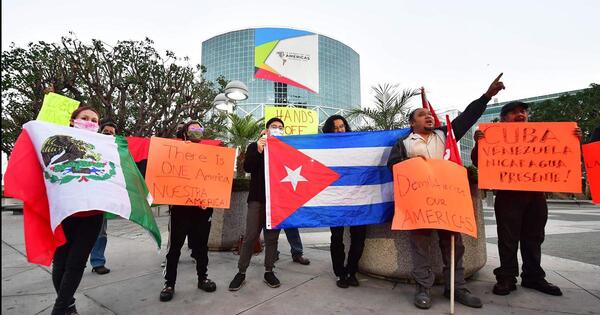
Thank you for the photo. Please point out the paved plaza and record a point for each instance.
(571, 260)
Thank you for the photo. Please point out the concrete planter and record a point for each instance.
(387, 253)
(228, 224)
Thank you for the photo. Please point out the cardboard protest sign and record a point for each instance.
(591, 158)
(297, 121)
(191, 174)
(530, 156)
(432, 194)
(57, 109)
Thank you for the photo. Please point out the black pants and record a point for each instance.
(338, 255)
(70, 259)
(521, 218)
(194, 223)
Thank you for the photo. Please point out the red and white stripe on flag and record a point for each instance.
(451, 153)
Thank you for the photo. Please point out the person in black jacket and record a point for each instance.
(193, 222)
(520, 218)
(256, 216)
(429, 142)
(346, 275)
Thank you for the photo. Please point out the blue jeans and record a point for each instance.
(97, 258)
(293, 237)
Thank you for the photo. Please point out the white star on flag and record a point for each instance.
(293, 176)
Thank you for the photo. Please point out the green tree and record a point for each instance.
(582, 107)
(144, 92)
(241, 132)
(390, 110)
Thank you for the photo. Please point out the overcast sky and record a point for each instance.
(453, 48)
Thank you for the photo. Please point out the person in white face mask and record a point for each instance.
(81, 230)
(255, 218)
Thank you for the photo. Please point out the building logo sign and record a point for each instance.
(287, 56)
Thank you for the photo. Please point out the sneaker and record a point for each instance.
(504, 286)
(207, 285)
(464, 297)
(271, 280)
(72, 310)
(422, 297)
(237, 282)
(342, 282)
(352, 281)
(301, 260)
(542, 286)
(101, 270)
(166, 294)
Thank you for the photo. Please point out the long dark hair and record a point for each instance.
(328, 126)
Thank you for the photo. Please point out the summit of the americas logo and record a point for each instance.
(285, 56)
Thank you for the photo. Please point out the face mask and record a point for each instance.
(85, 124)
(195, 134)
(275, 132)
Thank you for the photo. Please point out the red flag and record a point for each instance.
(24, 180)
(427, 105)
(451, 153)
(140, 146)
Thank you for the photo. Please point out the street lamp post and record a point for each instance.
(235, 91)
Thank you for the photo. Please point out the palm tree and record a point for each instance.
(241, 132)
(390, 111)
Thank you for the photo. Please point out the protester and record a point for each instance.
(346, 275)
(97, 258)
(256, 215)
(81, 231)
(192, 222)
(428, 142)
(521, 220)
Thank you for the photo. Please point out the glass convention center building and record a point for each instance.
(286, 67)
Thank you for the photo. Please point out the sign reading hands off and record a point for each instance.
(432, 194)
(190, 174)
(530, 156)
(297, 121)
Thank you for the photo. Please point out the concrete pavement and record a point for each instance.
(133, 285)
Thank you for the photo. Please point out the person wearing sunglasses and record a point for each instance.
(193, 222)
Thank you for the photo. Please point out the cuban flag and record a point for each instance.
(334, 179)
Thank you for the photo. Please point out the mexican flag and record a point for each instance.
(58, 171)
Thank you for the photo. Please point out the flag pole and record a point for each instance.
(452, 274)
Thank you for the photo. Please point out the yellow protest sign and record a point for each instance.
(297, 121)
(57, 109)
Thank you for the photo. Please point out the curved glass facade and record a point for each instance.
(232, 55)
